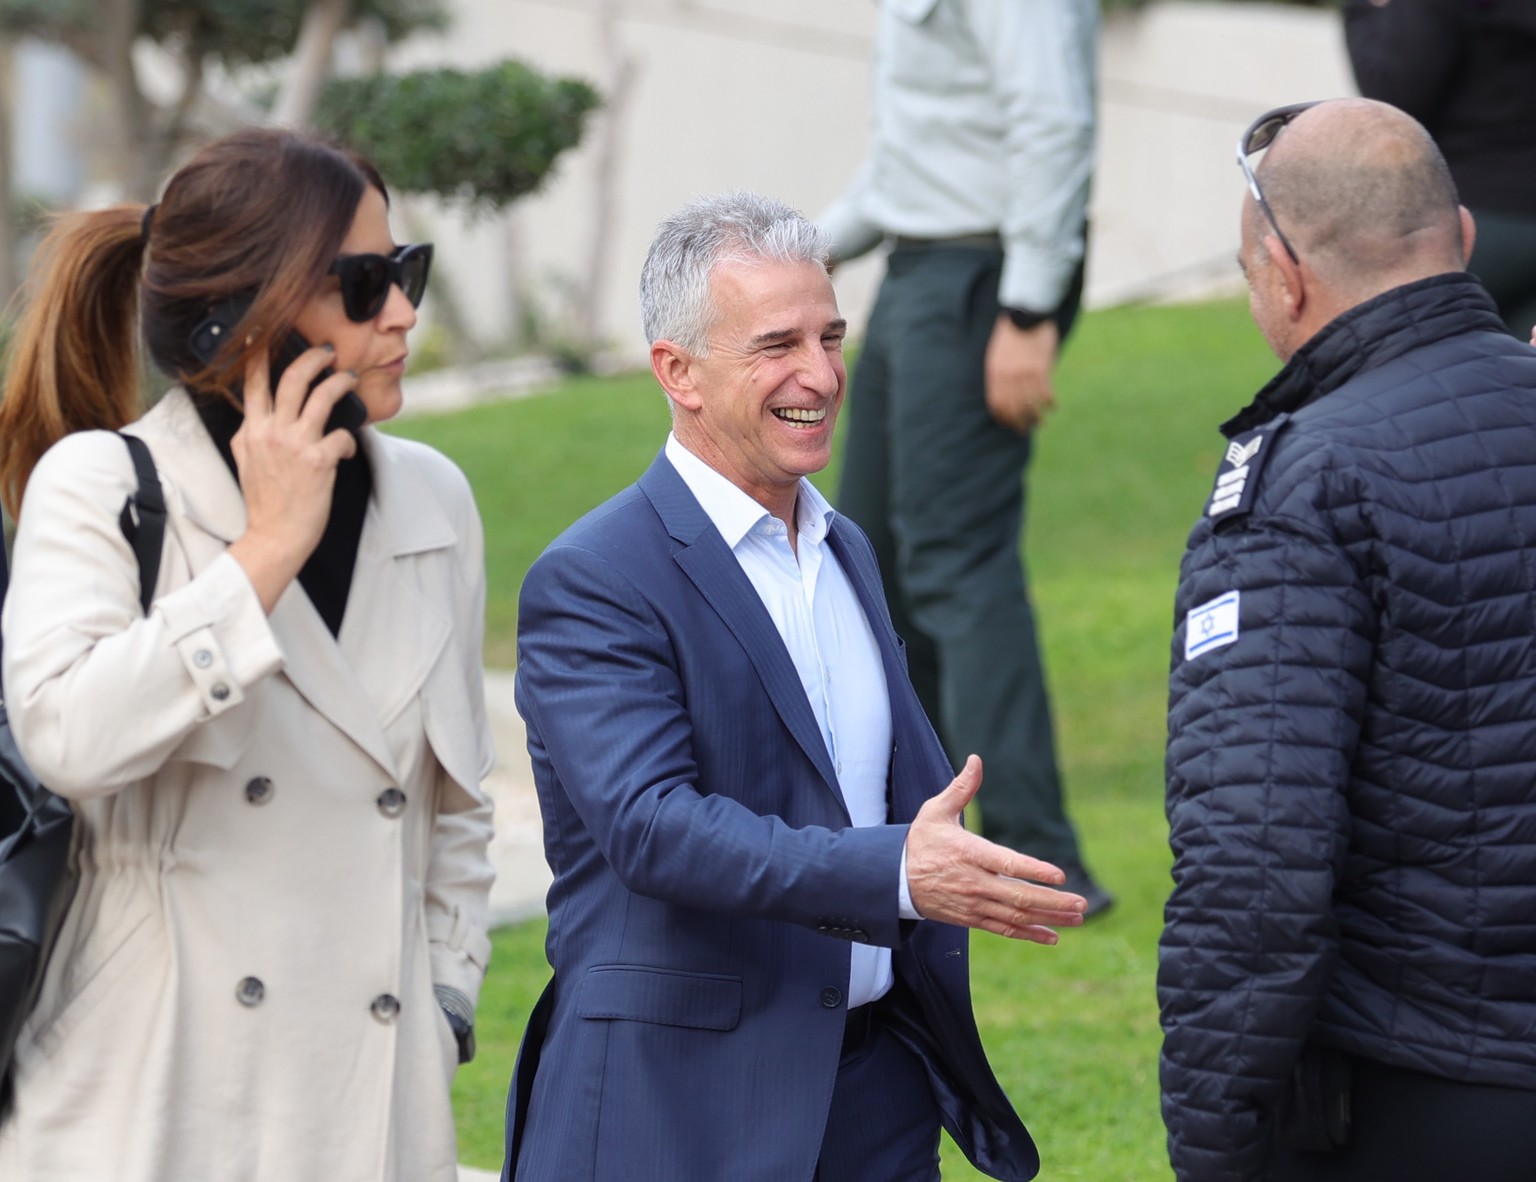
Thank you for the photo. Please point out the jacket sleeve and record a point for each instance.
(459, 870)
(100, 694)
(1404, 52)
(1261, 735)
(1041, 56)
(846, 222)
(598, 684)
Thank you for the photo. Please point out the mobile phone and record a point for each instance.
(214, 329)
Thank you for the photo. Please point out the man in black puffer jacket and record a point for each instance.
(1348, 973)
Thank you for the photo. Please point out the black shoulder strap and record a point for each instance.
(143, 519)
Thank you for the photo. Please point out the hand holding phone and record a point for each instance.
(213, 330)
(287, 493)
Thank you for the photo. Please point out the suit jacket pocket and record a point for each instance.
(668, 997)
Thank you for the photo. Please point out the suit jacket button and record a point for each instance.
(258, 790)
(250, 991)
(385, 1007)
(831, 997)
(391, 802)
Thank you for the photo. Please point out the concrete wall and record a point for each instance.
(774, 97)
(735, 93)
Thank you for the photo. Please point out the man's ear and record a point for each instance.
(674, 369)
(1291, 276)
(1468, 233)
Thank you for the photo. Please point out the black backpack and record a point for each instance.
(37, 872)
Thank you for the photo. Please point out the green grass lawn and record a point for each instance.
(1120, 472)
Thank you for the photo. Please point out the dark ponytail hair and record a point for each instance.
(262, 211)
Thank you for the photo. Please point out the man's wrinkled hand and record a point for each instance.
(959, 877)
(1018, 373)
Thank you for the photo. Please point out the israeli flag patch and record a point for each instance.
(1211, 625)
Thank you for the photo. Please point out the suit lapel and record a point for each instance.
(866, 585)
(713, 569)
(393, 632)
(912, 779)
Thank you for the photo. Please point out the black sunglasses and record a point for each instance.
(366, 278)
(1260, 134)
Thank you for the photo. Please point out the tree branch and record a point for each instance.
(311, 65)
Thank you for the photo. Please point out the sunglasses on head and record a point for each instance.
(1260, 134)
(367, 278)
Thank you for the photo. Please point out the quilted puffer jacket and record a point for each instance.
(1351, 755)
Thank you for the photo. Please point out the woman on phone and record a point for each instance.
(269, 968)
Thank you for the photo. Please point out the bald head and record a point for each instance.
(1364, 196)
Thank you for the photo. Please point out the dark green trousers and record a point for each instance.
(1504, 258)
(938, 486)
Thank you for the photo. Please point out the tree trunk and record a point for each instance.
(620, 69)
(8, 276)
(459, 344)
(311, 65)
(138, 152)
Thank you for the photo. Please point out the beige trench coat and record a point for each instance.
(242, 991)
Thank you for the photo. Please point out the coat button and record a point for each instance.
(259, 790)
(250, 991)
(385, 1007)
(220, 691)
(831, 997)
(391, 802)
(202, 658)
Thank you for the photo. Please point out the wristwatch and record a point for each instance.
(1027, 319)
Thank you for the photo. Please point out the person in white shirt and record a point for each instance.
(761, 882)
(978, 171)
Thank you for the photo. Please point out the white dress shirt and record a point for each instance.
(983, 123)
(833, 647)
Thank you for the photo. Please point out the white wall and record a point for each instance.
(774, 97)
(722, 98)
(735, 93)
(1179, 84)
(47, 98)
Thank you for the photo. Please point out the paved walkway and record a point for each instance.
(517, 850)
(518, 847)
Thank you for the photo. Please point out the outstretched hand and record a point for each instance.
(959, 877)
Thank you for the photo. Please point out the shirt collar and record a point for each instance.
(733, 512)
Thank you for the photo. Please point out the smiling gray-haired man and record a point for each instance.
(1348, 971)
(757, 923)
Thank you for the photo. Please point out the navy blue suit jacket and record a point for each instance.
(707, 879)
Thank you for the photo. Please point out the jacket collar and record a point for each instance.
(1368, 336)
(403, 509)
(363, 678)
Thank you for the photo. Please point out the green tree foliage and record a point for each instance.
(234, 31)
(484, 138)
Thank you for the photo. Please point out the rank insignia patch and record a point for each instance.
(1237, 479)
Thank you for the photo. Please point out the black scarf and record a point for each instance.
(327, 576)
